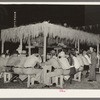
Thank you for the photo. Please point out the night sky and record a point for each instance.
(73, 15)
(28, 14)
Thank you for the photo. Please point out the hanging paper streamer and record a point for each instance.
(52, 30)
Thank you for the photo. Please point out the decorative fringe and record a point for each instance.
(52, 30)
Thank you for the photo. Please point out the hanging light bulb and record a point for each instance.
(65, 24)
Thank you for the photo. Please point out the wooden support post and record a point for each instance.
(97, 48)
(78, 45)
(75, 44)
(44, 49)
(29, 44)
(21, 44)
(2, 50)
(98, 54)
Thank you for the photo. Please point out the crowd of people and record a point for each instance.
(64, 63)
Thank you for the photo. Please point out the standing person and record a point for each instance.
(92, 74)
(56, 69)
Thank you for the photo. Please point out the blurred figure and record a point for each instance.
(2, 62)
(32, 66)
(21, 59)
(86, 64)
(67, 69)
(80, 61)
(55, 70)
(18, 65)
(11, 61)
(92, 74)
(76, 62)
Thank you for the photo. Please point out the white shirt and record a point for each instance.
(85, 60)
(89, 60)
(61, 54)
(64, 63)
(76, 62)
(80, 60)
(53, 62)
(31, 61)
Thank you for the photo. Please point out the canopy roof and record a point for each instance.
(34, 30)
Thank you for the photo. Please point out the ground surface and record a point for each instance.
(84, 84)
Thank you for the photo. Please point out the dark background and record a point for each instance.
(73, 15)
(28, 14)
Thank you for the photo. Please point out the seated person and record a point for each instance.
(19, 64)
(86, 55)
(55, 70)
(86, 63)
(2, 62)
(21, 59)
(76, 63)
(33, 62)
(11, 61)
(67, 69)
(80, 62)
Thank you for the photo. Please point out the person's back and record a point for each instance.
(85, 60)
(11, 60)
(64, 63)
(70, 60)
(2, 62)
(76, 62)
(53, 62)
(88, 58)
(80, 60)
(31, 61)
(21, 61)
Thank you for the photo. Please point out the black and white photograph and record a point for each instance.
(49, 46)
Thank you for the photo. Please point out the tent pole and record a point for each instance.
(75, 44)
(97, 48)
(29, 44)
(44, 49)
(21, 43)
(78, 45)
(98, 53)
(2, 50)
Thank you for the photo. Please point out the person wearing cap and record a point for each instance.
(94, 61)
